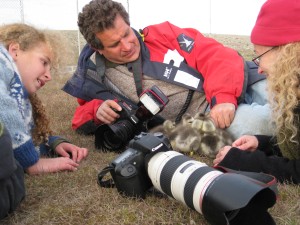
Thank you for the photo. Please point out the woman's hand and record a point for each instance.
(221, 154)
(66, 149)
(246, 142)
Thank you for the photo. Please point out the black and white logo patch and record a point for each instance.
(185, 42)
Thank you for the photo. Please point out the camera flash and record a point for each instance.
(149, 103)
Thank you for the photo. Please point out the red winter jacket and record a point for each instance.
(221, 67)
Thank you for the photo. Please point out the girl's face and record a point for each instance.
(34, 65)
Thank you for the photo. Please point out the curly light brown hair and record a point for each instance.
(29, 37)
(284, 90)
(41, 130)
(98, 16)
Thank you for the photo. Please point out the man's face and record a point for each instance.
(120, 43)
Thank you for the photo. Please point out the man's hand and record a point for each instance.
(107, 111)
(223, 114)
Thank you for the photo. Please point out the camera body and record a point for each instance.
(129, 173)
(132, 120)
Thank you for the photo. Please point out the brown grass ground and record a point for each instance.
(75, 197)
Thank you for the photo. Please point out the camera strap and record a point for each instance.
(109, 183)
(138, 75)
(185, 106)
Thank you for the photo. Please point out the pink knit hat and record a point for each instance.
(278, 23)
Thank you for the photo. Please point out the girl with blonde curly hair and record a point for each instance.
(276, 39)
(27, 58)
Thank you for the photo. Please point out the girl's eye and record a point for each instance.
(45, 62)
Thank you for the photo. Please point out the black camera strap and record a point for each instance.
(185, 106)
(109, 183)
(138, 75)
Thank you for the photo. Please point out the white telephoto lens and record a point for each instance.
(156, 164)
(201, 188)
(181, 176)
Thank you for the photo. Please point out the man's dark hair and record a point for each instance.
(97, 16)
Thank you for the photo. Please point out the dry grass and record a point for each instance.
(75, 197)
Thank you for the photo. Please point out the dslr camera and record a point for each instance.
(132, 120)
(129, 173)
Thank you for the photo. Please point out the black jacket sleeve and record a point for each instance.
(268, 145)
(12, 187)
(283, 169)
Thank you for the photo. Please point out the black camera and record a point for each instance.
(132, 120)
(223, 196)
(129, 172)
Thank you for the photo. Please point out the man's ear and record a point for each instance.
(99, 51)
(13, 50)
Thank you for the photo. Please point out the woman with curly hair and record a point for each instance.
(276, 39)
(26, 57)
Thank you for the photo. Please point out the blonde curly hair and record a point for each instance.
(29, 37)
(284, 91)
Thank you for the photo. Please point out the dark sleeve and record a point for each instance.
(283, 169)
(268, 145)
(12, 187)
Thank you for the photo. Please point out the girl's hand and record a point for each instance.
(65, 149)
(51, 165)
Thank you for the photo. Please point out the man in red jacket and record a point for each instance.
(120, 60)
